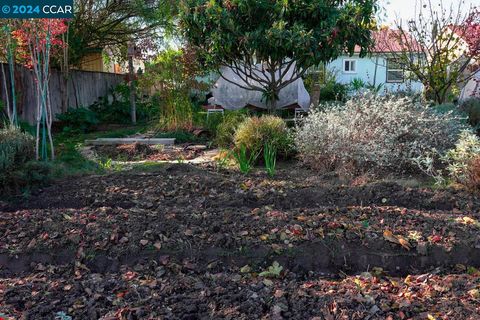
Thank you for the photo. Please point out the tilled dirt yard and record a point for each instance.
(189, 242)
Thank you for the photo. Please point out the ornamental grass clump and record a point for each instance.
(372, 133)
(225, 131)
(255, 132)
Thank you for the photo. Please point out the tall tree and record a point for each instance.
(438, 45)
(7, 54)
(38, 40)
(270, 44)
(105, 23)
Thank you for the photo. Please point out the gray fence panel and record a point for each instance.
(84, 88)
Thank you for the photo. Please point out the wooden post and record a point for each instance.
(133, 107)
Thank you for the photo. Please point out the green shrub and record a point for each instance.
(213, 121)
(18, 171)
(333, 91)
(32, 173)
(472, 108)
(117, 111)
(224, 135)
(255, 132)
(79, 120)
(16, 148)
(29, 175)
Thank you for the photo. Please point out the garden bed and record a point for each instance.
(189, 242)
(142, 152)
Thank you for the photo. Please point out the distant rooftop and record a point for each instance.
(388, 40)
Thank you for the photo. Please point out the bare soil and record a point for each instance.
(190, 242)
(140, 152)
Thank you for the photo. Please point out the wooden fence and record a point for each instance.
(84, 88)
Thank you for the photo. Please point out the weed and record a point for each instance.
(273, 271)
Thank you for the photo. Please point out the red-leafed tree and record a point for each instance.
(37, 40)
(472, 37)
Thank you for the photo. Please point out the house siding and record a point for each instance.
(366, 72)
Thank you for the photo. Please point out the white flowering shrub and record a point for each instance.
(374, 133)
(460, 164)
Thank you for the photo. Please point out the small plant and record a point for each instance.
(357, 85)
(274, 271)
(181, 159)
(245, 161)
(270, 156)
(110, 165)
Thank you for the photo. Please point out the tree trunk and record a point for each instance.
(272, 106)
(315, 94)
(7, 99)
(64, 91)
(133, 107)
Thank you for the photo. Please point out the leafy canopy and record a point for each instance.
(286, 36)
(308, 31)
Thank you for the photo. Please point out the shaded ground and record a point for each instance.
(140, 152)
(189, 242)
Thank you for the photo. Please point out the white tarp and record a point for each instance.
(232, 97)
(472, 88)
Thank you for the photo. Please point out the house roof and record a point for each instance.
(469, 34)
(463, 32)
(388, 40)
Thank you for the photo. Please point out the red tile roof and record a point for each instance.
(470, 34)
(388, 40)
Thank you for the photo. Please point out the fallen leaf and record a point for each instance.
(474, 293)
(388, 235)
(404, 242)
(246, 269)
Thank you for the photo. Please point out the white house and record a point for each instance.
(380, 67)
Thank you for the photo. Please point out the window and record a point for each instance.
(395, 71)
(349, 66)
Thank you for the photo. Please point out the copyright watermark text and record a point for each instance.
(36, 9)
